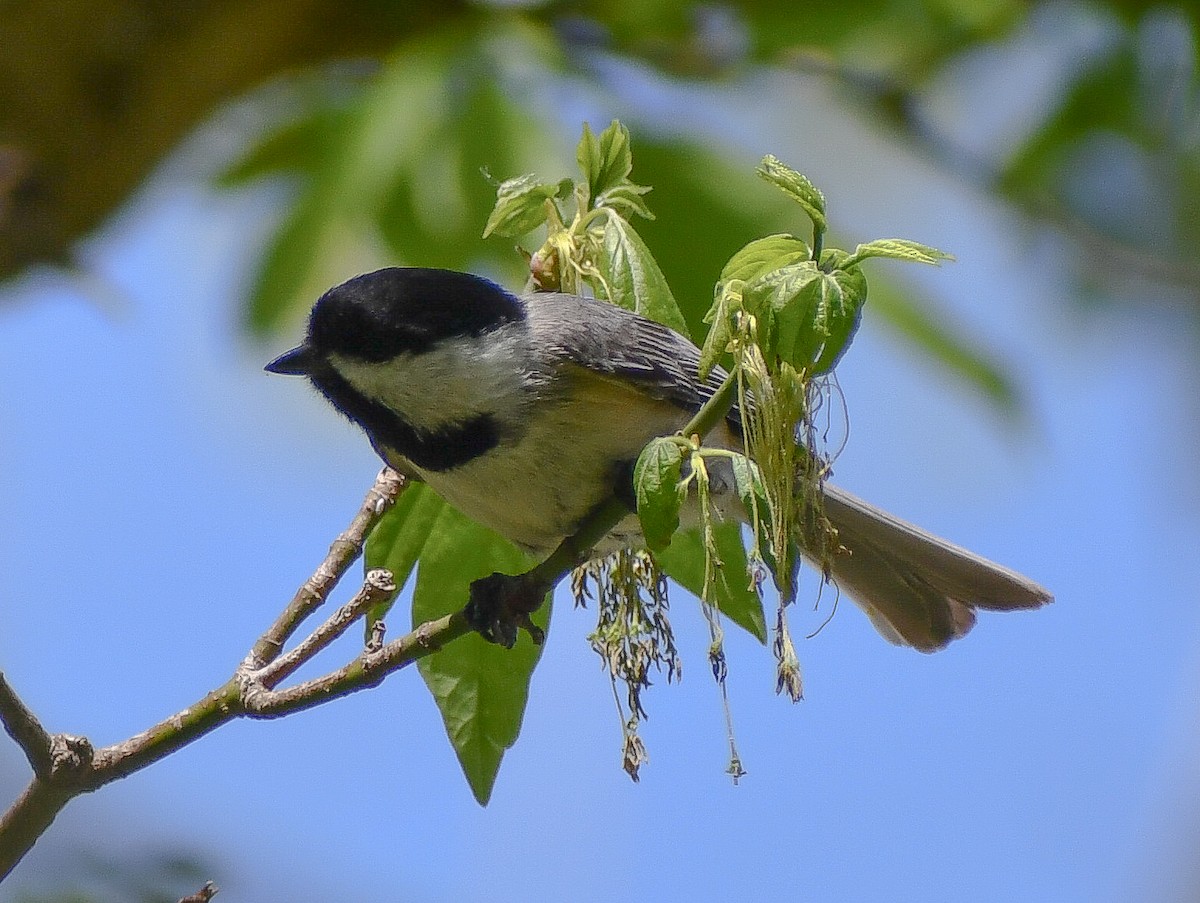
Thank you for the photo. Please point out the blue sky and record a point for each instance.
(163, 497)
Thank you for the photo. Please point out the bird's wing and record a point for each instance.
(647, 356)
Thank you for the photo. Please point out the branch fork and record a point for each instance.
(65, 765)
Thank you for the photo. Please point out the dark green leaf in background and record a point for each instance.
(391, 171)
(481, 688)
(683, 562)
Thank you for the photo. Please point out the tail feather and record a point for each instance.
(918, 589)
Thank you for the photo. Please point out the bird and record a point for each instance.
(526, 412)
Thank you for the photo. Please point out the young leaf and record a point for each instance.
(520, 206)
(748, 482)
(780, 287)
(720, 316)
(632, 277)
(656, 486)
(480, 688)
(747, 479)
(840, 324)
(606, 161)
(626, 200)
(784, 301)
(897, 249)
(683, 562)
(763, 255)
(797, 186)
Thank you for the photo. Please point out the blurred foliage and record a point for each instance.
(386, 154)
(1112, 158)
(1118, 160)
(393, 170)
(132, 878)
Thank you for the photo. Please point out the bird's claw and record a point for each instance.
(501, 604)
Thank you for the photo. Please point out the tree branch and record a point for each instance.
(22, 725)
(65, 766)
(342, 553)
(203, 895)
(368, 670)
(377, 587)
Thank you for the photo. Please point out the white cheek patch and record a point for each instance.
(455, 380)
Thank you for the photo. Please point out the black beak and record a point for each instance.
(297, 362)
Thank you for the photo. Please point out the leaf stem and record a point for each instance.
(713, 411)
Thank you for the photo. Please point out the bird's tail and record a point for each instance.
(919, 590)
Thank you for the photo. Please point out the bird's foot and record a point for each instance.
(501, 604)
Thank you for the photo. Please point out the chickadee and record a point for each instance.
(525, 413)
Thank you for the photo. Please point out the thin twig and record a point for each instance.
(368, 670)
(65, 766)
(377, 587)
(203, 895)
(250, 691)
(23, 726)
(343, 552)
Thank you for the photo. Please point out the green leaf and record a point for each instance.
(784, 300)
(816, 309)
(764, 255)
(897, 249)
(656, 486)
(720, 316)
(683, 562)
(520, 206)
(606, 161)
(632, 278)
(840, 318)
(399, 538)
(480, 688)
(779, 288)
(298, 146)
(797, 186)
(626, 200)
